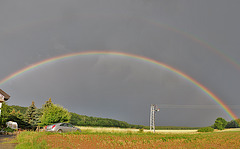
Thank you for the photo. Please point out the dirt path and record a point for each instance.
(7, 138)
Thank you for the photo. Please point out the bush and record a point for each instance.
(206, 129)
(8, 129)
(141, 130)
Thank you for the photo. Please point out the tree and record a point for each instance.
(233, 124)
(54, 114)
(47, 103)
(32, 115)
(5, 111)
(220, 123)
(19, 118)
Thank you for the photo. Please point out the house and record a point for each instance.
(3, 97)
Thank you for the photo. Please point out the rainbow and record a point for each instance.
(138, 57)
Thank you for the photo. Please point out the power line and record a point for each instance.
(197, 106)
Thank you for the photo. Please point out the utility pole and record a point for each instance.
(153, 110)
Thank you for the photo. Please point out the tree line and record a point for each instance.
(31, 117)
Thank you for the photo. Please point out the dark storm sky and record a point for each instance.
(185, 34)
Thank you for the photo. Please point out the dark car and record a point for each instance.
(61, 127)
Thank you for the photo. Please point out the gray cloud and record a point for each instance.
(120, 87)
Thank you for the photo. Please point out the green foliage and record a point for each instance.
(220, 123)
(19, 108)
(82, 120)
(141, 130)
(47, 103)
(19, 118)
(206, 129)
(32, 115)
(233, 124)
(54, 114)
(8, 129)
(5, 111)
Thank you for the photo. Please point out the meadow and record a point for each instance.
(96, 138)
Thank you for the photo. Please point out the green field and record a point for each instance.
(128, 139)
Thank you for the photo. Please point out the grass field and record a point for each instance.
(121, 138)
(130, 130)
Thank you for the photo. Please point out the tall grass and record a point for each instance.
(30, 140)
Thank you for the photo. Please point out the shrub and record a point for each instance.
(206, 129)
(141, 130)
(8, 129)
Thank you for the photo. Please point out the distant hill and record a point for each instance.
(83, 120)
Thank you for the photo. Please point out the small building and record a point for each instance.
(3, 97)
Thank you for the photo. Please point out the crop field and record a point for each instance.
(128, 139)
(131, 130)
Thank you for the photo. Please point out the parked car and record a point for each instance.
(61, 127)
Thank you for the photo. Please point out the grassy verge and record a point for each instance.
(30, 140)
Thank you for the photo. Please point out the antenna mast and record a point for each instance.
(153, 110)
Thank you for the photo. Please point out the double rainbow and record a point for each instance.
(145, 59)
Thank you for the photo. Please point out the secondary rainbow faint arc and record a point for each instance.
(146, 59)
(220, 53)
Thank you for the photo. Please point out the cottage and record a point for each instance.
(3, 97)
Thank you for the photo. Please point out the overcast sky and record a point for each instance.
(185, 34)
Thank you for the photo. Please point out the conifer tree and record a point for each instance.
(47, 103)
(31, 115)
